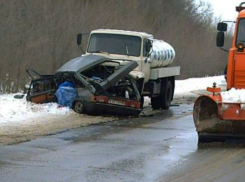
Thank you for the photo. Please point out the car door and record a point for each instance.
(42, 88)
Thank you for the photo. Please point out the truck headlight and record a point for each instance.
(240, 47)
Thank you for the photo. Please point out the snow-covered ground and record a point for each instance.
(19, 110)
(193, 84)
(21, 120)
(234, 95)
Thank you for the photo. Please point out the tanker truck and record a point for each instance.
(153, 76)
(118, 69)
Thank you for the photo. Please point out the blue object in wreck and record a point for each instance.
(97, 79)
(65, 95)
(67, 84)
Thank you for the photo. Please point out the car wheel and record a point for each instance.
(78, 107)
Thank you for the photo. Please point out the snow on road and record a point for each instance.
(19, 110)
(191, 84)
(234, 95)
(21, 120)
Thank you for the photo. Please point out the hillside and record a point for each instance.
(41, 35)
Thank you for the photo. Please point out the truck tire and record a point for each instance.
(155, 102)
(78, 107)
(166, 96)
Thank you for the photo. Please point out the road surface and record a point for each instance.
(162, 147)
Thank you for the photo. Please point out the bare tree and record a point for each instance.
(41, 34)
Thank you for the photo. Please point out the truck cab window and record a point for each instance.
(241, 32)
(115, 44)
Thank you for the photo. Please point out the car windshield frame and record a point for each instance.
(121, 44)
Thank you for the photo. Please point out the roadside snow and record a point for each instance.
(234, 95)
(21, 120)
(19, 110)
(194, 84)
(191, 84)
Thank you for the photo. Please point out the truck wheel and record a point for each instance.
(78, 107)
(155, 102)
(166, 97)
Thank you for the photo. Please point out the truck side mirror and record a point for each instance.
(222, 27)
(220, 39)
(79, 39)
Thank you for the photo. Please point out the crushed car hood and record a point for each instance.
(81, 63)
(84, 62)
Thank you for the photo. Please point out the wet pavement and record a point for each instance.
(162, 147)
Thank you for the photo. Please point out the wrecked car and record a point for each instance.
(101, 85)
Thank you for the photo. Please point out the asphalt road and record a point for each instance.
(162, 147)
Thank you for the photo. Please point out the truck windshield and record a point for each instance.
(241, 32)
(115, 44)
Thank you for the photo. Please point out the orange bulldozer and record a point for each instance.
(216, 120)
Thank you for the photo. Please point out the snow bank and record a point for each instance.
(233, 95)
(18, 110)
(192, 84)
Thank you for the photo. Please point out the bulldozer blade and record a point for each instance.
(209, 125)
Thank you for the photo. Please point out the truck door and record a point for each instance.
(42, 88)
(145, 63)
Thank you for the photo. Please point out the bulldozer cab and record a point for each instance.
(236, 66)
(217, 120)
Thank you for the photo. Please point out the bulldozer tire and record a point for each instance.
(166, 96)
(204, 139)
(211, 138)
